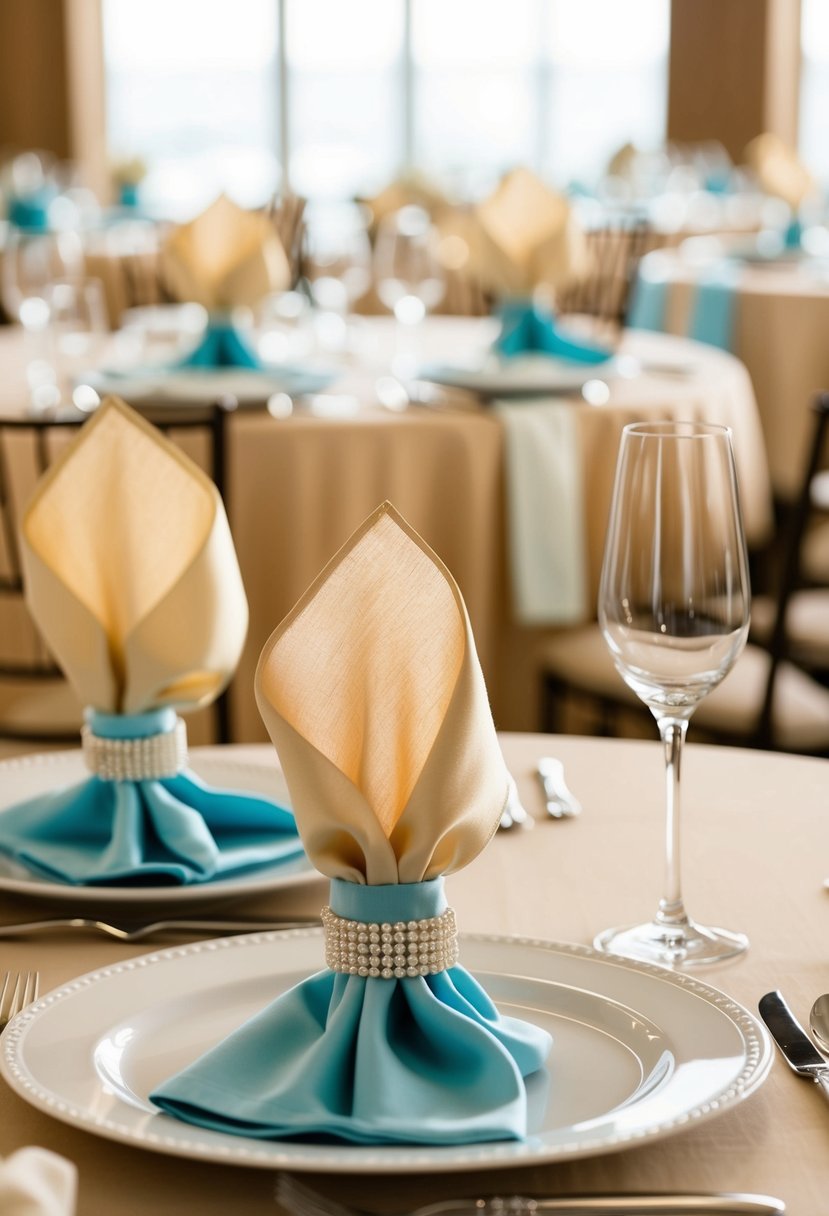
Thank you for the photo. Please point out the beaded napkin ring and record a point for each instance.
(148, 758)
(390, 951)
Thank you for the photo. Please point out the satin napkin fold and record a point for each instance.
(526, 327)
(37, 1182)
(32, 212)
(132, 578)
(223, 345)
(372, 692)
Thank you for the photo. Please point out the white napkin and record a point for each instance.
(545, 512)
(36, 1182)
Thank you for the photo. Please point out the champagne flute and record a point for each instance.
(409, 276)
(674, 610)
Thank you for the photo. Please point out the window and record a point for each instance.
(346, 95)
(814, 87)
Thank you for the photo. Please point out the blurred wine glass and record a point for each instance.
(76, 329)
(32, 261)
(674, 611)
(336, 263)
(408, 274)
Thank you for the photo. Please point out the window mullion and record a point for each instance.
(408, 85)
(283, 87)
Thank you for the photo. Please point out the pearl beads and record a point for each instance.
(144, 759)
(390, 951)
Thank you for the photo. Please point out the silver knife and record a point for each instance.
(798, 1049)
(690, 1204)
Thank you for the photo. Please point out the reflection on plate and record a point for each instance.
(28, 776)
(195, 386)
(524, 376)
(638, 1052)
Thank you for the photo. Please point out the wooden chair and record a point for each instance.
(37, 704)
(795, 623)
(616, 249)
(768, 700)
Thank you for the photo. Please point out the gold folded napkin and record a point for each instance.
(37, 1182)
(373, 695)
(526, 236)
(224, 258)
(130, 569)
(410, 189)
(779, 170)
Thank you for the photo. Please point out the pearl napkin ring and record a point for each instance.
(141, 759)
(390, 951)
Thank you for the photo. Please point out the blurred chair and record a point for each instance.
(615, 249)
(37, 704)
(795, 623)
(768, 700)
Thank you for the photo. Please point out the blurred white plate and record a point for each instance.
(638, 1054)
(200, 386)
(524, 375)
(27, 776)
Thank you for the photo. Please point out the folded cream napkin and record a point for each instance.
(372, 693)
(132, 578)
(545, 511)
(37, 1182)
(526, 236)
(779, 170)
(224, 258)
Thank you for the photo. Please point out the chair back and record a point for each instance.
(615, 250)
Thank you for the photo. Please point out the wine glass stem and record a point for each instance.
(671, 908)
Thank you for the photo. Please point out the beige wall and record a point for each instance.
(33, 87)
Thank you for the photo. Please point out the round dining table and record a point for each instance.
(299, 483)
(780, 315)
(755, 858)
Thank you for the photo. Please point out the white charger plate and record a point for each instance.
(28, 776)
(521, 376)
(639, 1052)
(195, 386)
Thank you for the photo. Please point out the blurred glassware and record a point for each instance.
(283, 327)
(159, 333)
(32, 261)
(408, 274)
(336, 263)
(674, 611)
(76, 331)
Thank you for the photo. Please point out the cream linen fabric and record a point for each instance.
(36, 1182)
(373, 696)
(225, 257)
(130, 569)
(779, 169)
(525, 236)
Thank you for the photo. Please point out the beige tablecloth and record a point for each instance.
(756, 854)
(780, 323)
(298, 486)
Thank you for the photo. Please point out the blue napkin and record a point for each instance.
(793, 236)
(222, 346)
(528, 329)
(712, 315)
(175, 830)
(30, 212)
(419, 1060)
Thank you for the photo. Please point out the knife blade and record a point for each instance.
(797, 1048)
(654, 1203)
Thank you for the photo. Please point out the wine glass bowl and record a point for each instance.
(407, 270)
(674, 608)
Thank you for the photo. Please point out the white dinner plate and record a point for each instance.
(522, 376)
(638, 1052)
(27, 776)
(195, 386)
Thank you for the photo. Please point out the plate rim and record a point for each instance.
(345, 1158)
(251, 883)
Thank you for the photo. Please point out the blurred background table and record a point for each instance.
(297, 486)
(747, 813)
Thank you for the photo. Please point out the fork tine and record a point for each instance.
(18, 990)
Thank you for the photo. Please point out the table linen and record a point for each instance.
(748, 814)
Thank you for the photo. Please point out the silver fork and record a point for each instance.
(301, 1200)
(135, 933)
(17, 991)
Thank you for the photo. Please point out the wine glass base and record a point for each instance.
(680, 946)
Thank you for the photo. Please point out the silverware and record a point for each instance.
(798, 1049)
(302, 1200)
(135, 933)
(16, 992)
(561, 803)
(514, 814)
(819, 1022)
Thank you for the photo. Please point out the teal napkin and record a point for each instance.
(30, 212)
(528, 329)
(175, 830)
(417, 1060)
(222, 346)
